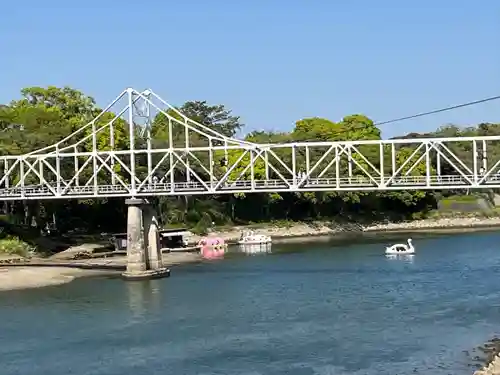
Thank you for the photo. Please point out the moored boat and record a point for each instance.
(212, 247)
(250, 238)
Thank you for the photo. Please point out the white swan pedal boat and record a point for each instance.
(251, 238)
(401, 249)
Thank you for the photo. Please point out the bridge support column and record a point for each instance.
(144, 259)
(153, 248)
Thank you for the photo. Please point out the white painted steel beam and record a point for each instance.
(118, 158)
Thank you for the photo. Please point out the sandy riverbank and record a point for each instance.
(37, 276)
(12, 278)
(301, 231)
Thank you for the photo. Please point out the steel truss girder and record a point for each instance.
(340, 166)
(194, 159)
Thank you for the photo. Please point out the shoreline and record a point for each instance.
(21, 277)
(489, 356)
(15, 277)
(37, 275)
(315, 230)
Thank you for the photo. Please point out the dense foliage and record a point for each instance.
(14, 246)
(43, 116)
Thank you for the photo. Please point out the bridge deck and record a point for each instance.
(197, 160)
(360, 183)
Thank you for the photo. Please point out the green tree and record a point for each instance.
(44, 116)
(76, 107)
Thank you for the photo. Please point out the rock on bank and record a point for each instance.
(301, 230)
(493, 368)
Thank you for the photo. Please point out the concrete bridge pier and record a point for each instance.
(144, 257)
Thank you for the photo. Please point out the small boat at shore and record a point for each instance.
(254, 249)
(212, 247)
(250, 238)
(401, 249)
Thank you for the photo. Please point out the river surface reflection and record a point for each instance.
(306, 308)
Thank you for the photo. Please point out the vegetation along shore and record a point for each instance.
(39, 229)
(43, 116)
(47, 231)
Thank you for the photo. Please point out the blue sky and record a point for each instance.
(270, 61)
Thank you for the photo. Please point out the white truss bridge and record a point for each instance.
(123, 152)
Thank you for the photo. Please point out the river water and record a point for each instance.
(310, 308)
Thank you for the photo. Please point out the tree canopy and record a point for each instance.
(43, 116)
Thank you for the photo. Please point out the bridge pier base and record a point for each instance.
(144, 256)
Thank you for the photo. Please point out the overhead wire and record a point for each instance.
(438, 110)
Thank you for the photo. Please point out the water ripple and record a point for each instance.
(300, 311)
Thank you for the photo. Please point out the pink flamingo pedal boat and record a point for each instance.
(212, 247)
